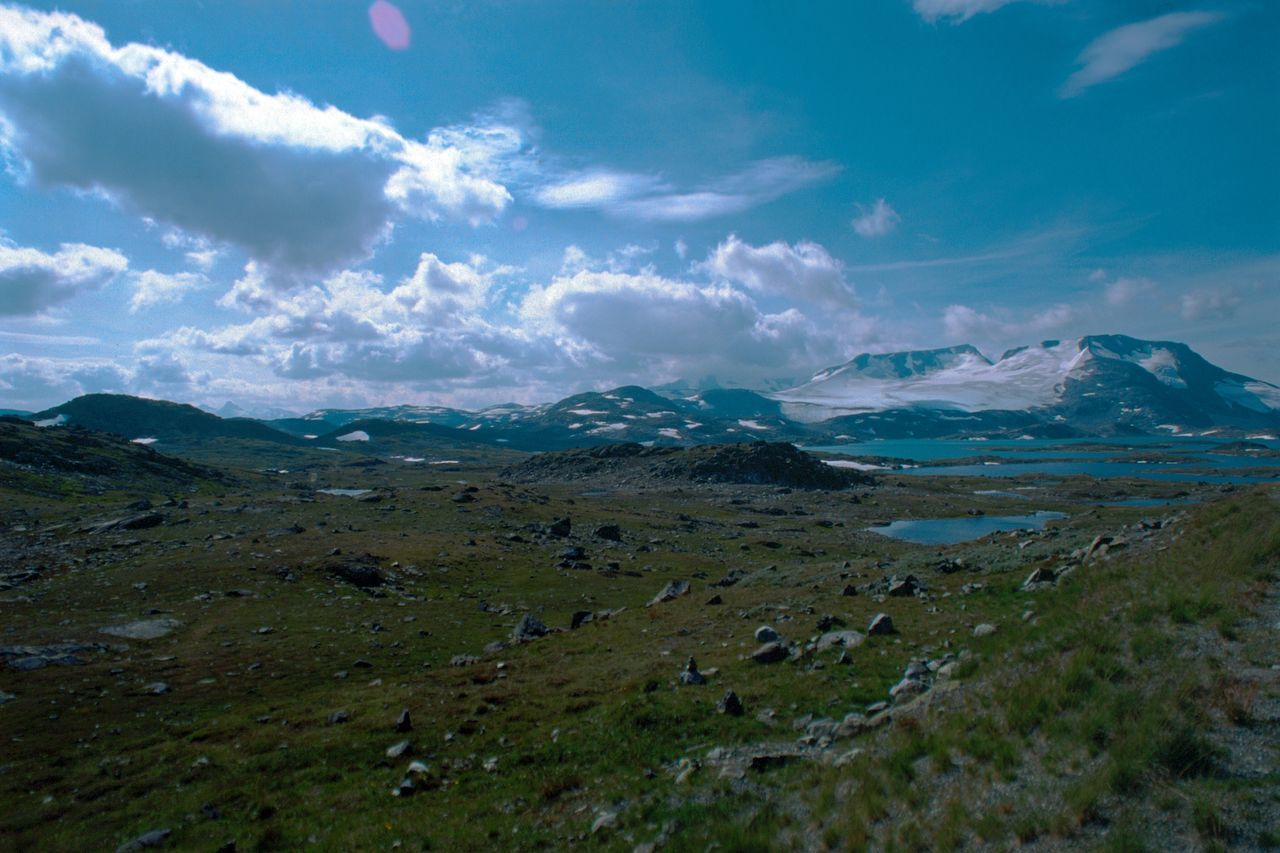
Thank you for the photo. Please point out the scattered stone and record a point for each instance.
(363, 573)
(766, 634)
(158, 688)
(1039, 579)
(770, 653)
(463, 660)
(761, 763)
(881, 624)
(406, 788)
(6, 697)
(561, 527)
(691, 676)
(670, 592)
(153, 838)
(490, 764)
(399, 750)
(605, 822)
(714, 600)
(730, 704)
(877, 708)
(529, 628)
(986, 629)
(338, 717)
(611, 532)
(904, 587)
(146, 629)
(849, 590)
(843, 639)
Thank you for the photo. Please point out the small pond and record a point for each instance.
(949, 531)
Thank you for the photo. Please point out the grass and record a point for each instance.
(1062, 720)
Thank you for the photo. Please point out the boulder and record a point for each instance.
(770, 653)
(730, 704)
(529, 628)
(881, 624)
(670, 592)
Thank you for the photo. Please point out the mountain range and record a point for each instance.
(1091, 386)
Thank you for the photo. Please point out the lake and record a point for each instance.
(1172, 459)
(949, 531)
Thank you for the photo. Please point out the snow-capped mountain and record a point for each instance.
(1095, 383)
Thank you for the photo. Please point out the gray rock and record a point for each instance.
(881, 624)
(766, 634)
(904, 587)
(463, 660)
(406, 788)
(338, 717)
(6, 697)
(844, 639)
(403, 723)
(730, 704)
(153, 838)
(399, 750)
(145, 629)
(986, 629)
(770, 653)
(611, 532)
(851, 725)
(906, 688)
(714, 600)
(1040, 578)
(670, 592)
(605, 822)
(158, 688)
(580, 618)
(529, 628)
(691, 676)
(560, 527)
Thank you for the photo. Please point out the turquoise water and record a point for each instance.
(949, 531)
(1195, 460)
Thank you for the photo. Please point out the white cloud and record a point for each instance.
(32, 382)
(878, 221)
(646, 325)
(595, 188)
(958, 11)
(1115, 52)
(649, 198)
(1217, 303)
(31, 281)
(157, 288)
(805, 271)
(1127, 289)
(681, 248)
(300, 187)
(964, 324)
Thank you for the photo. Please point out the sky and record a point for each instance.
(294, 205)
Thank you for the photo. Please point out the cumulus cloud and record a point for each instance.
(878, 221)
(31, 282)
(1219, 303)
(157, 288)
(301, 188)
(803, 271)
(647, 324)
(31, 382)
(963, 323)
(958, 11)
(428, 327)
(1115, 52)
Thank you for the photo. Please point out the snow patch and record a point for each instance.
(143, 441)
(358, 435)
(750, 424)
(856, 466)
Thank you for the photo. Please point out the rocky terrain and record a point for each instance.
(630, 649)
(633, 465)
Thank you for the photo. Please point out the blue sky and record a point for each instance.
(266, 202)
